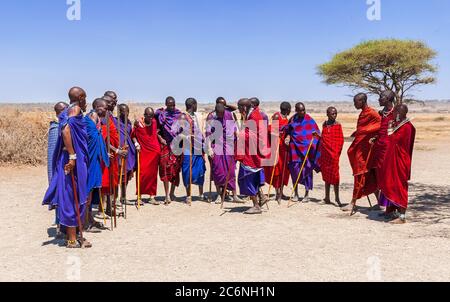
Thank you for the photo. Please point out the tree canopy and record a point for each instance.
(378, 65)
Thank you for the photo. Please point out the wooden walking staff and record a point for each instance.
(120, 159)
(283, 175)
(274, 166)
(77, 207)
(124, 164)
(229, 170)
(110, 169)
(191, 146)
(301, 171)
(139, 180)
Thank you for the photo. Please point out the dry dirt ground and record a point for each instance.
(308, 242)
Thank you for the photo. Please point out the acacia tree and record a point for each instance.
(397, 65)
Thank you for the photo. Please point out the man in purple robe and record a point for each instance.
(71, 158)
(170, 164)
(126, 143)
(221, 146)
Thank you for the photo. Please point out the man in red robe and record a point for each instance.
(278, 174)
(330, 147)
(360, 152)
(109, 191)
(387, 99)
(251, 173)
(145, 138)
(396, 169)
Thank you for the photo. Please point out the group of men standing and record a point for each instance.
(95, 156)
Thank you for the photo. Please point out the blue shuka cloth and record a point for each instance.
(131, 158)
(198, 170)
(52, 139)
(250, 180)
(97, 154)
(61, 191)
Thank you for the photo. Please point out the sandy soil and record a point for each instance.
(308, 242)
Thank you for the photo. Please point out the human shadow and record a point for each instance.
(52, 233)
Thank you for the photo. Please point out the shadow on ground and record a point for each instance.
(429, 204)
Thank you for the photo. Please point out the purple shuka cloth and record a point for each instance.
(250, 182)
(307, 175)
(131, 158)
(301, 132)
(223, 148)
(60, 194)
(166, 119)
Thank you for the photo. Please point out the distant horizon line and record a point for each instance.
(209, 102)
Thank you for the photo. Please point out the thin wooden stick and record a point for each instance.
(301, 171)
(190, 162)
(139, 181)
(274, 166)
(224, 193)
(110, 169)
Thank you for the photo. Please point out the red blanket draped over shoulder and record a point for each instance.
(282, 165)
(369, 124)
(114, 161)
(147, 137)
(396, 169)
(330, 148)
(252, 135)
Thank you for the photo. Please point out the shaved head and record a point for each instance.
(60, 107)
(149, 111)
(300, 110)
(111, 94)
(76, 93)
(255, 102)
(99, 102)
(78, 96)
(360, 101)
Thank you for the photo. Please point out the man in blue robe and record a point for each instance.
(98, 154)
(71, 158)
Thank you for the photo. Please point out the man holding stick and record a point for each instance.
(221, 133)
(396, 169)
(98, 155)
(361, 151)
(68, 189)
(251, 174)
(145, 139)
(278, 175)
(303, 149)
(127, 164)
(193, 165)
(170, 164)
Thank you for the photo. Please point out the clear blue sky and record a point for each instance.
(148, 49)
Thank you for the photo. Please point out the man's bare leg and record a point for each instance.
(336, 194)
(327, 193)
(167, 200)
(72, 241)
(172, 192)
